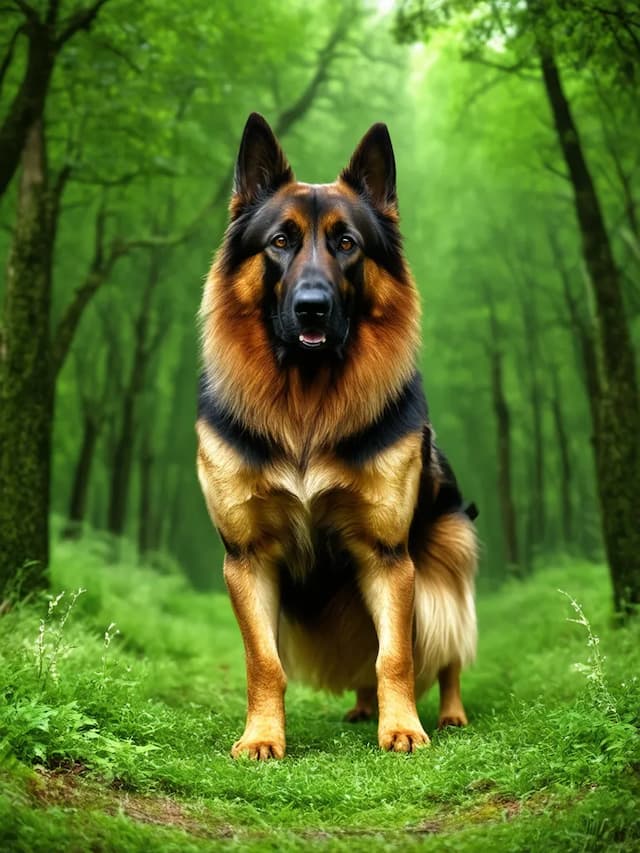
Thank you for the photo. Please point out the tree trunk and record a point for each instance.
(27, 379)
(28, 104)
(81, 477)
(503, 439)
(145, 527)
(172, 460)
(537, 512)
(123, 454)
(121, 468)
(565, 465)
(45, 41)
(175, 518)
(505, 492)
(617, 431)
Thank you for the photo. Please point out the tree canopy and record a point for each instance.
(141, 119)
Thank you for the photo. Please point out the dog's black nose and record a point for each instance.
(312, 303)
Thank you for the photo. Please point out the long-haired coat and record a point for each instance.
(350, 557)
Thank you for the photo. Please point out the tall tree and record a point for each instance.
(502, 416)
(618, 400)
(32, 355)
(96, 381)
(26, 388)
(145, 343)
(534, 37)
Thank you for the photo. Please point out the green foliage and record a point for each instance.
(129, 743)
(147, 110)
(117, 713)
(604, 37)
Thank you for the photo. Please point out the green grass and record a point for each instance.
(124, 745)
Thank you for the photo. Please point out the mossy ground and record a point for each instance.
(125, 745)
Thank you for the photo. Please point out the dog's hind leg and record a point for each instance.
(451, 707)
(445, 635)
(366, 706)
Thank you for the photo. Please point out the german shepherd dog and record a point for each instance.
(350, 556)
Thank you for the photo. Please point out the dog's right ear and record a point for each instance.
(372, 168)
(261, 166)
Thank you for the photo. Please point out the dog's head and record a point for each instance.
(313, 257)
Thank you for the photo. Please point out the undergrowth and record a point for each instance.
(121, 695)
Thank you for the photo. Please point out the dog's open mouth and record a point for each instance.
(312, 339)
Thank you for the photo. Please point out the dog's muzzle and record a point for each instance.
(312, 304)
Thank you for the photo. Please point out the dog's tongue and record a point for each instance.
(312, 338)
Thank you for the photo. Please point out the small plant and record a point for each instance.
(49, 645)
(594, 669)
(109, 635)
(15, 586)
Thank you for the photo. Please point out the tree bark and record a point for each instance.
(28, 104)
(145, 518)
(503, 441)
(121, 468)
(562, 443)
(169, 453)
(505, 491)
(617, 427)
(81, 476)
(125, 441)
(26, 378)
(537, 511)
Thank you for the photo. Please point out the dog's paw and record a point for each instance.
(456, 719)
(258, 749)
(366, 707)
(403, 739)
(359, 715)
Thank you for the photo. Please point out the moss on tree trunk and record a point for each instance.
(617, 405)
(26, 380)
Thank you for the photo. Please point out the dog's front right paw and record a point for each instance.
(259, 748)
(401, 739)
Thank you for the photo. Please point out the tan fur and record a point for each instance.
(445, 629)
(270, 514)
(255, 602)
(445, 615)
(272, 511)
(408, 618)
(451, 707)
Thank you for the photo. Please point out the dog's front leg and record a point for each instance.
(387, 586)
(254, 593)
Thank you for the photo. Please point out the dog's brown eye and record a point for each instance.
(346, 243)
(280, 241)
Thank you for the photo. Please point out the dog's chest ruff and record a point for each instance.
(289, 514)
(303, 513)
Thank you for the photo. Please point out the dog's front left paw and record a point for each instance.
(401, 739)
(259, 749)
(457, 719)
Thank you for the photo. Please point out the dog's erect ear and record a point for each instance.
(261, 166)
(372, 168)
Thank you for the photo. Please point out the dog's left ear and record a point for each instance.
(261, 166)
(372, 169)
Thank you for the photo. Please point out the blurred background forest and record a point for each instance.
(131, 121)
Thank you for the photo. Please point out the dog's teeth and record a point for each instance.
(311, 339)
